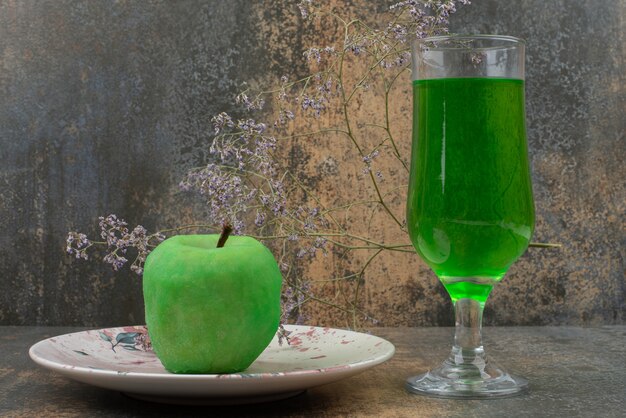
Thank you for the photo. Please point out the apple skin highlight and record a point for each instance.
(208, 309)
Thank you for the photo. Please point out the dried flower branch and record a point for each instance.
(248, 186)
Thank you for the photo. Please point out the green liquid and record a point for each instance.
(476, 291)
(470, 210)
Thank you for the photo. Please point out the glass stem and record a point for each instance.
(468, 344)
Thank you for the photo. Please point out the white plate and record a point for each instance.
(117, 358)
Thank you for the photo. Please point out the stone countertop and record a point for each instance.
(573, 372)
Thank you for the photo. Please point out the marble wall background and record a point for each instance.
(105, 104)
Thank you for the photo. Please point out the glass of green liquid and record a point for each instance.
(470, 211)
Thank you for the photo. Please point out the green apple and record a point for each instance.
(212, 302)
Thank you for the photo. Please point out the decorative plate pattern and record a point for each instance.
(121, 359)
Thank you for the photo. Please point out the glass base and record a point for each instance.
(467, 381)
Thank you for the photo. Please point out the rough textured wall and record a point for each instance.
(576, 102)
(105, 104)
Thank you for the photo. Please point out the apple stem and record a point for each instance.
(226, 230)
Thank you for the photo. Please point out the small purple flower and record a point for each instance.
(115, 260)
(260, 219)
(314, 104)
(316, 53)
(282, 94)
(478, 57)
(221, 121)
(77, 244)
(249, 126)
(313, 53)
(326, 88)
(283, 334)
(356, 46)
(399, 32)
(112, 229)
(238, 226)
(368, 159)
(422, 23)
(285, 116)
(254, 104)
(320, 243)
(304, 7)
